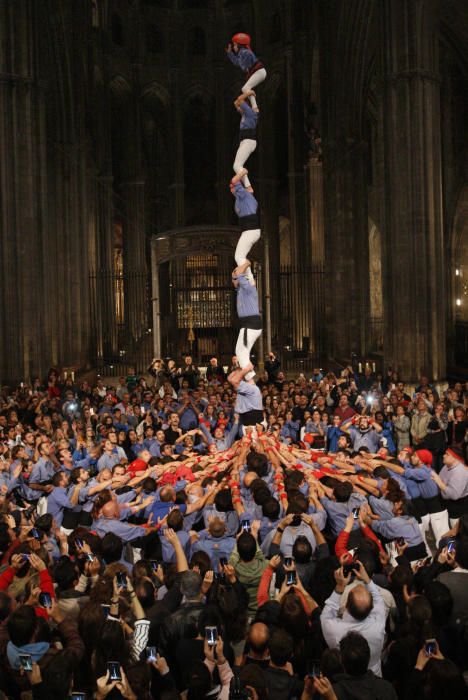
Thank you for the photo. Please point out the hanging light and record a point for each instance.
(458, 302)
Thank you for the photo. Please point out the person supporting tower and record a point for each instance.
(249, 403)
(248, 311)
(247, 136)
(246, 208)
(240, 54)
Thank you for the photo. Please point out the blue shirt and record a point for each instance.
(248, 398)
(403, 526)
(168, 551)
(245, 204)
(333, 435)
(126, 532)
(215, 547)
(370, 438)
(108, 461)
(247, 298)
(249, 117)
(160, 509)
(422, 475)
(42, 471)
(231, 519)
(56, 502)
(244, 58)
(338, 512)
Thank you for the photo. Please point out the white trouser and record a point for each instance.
(244, 244)
(246, 148)
(454, 521)
(440, 524)
(254, 80)
(243, 351)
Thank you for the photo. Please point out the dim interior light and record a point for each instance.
(457, 272)
(458, 302)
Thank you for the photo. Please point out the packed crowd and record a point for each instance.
(152, 546)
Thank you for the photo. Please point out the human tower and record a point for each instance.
(240, 54)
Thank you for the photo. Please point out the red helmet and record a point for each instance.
(241, 39)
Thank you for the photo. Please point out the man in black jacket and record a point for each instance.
(282, 682)
(357, 681)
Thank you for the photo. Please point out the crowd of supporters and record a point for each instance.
(153, 547)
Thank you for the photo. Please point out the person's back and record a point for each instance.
(358, 682)
(282, 683)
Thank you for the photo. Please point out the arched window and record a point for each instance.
(197, 42)
(154, 39)
(117, 30)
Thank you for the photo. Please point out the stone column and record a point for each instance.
(134, 252)
(413, 250)
(346, 245)
(317, 246)
(105, 283)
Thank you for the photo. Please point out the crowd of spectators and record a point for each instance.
(152, 547)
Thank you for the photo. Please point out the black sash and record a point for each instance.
(249, 222)
(247, 134)
(253, 323)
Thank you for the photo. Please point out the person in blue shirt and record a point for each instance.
(246, 208)
(434, 511)
(175, 521)
(247, 136)
(241, 55)
(334, 433)
(387, 431)
(215, 542)
(364, 432)
(248, 312)
(59, 499)
(43, 470)
(249, 402)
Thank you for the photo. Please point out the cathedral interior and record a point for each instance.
(117, 134)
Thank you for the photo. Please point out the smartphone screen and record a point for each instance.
(150, 654)
(45, 600)
(26, 661)
(451, 546)
(105, 609)
(35, 533)
(314, 670)
(291, 578)
(114, 671)
(154, 563)
(122, 579)
(355, 513)
(246, 525)
(223, 561)
(89, 556)
(430, 647)
(211, 635)
(78, 696)
(288, 561)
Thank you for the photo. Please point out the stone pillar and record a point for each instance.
(105, 283)
(134, 252)
(23, 212)
(155, 304)
(317, 246)
(223, 170)
(413, 250)
(346, 245)
(178, 185)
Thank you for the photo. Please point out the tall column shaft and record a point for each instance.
(413, 278)
(134, 244)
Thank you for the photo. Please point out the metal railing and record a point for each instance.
(197, 306)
